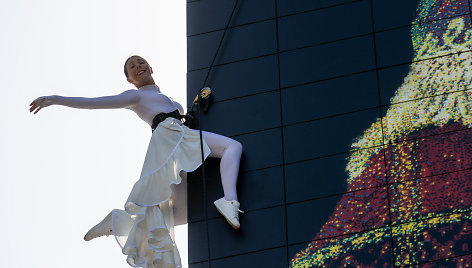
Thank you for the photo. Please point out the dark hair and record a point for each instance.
(126, 62)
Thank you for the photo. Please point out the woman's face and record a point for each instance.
(139, 71)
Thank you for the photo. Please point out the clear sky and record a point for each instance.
(64, 169)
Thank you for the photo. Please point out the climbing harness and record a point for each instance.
(163, 116)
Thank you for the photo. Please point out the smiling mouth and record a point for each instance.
(141, 72)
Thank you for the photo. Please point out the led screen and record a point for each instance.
(409, 194)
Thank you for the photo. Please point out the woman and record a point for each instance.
(142, 229)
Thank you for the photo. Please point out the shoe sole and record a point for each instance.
(230, 223)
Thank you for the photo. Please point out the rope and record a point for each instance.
(221, 42)
(201, 135)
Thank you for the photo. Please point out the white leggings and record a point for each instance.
(229, 151)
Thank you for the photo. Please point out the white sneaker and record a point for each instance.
(102, 228)
(230, 210)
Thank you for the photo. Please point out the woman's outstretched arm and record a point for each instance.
(126, 99)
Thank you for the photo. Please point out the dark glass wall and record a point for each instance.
(355, 117)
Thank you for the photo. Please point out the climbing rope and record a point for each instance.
(201, 135)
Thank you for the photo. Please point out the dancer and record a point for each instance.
(144, 228)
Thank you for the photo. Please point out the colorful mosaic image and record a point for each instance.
(423, 145)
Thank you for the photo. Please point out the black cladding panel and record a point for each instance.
(211, 15)
(240, 43)
(326, 61)
(326, 98)
(236, 80)
(290, 7)
(325, 25)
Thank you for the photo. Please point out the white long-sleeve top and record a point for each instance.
(146, 102)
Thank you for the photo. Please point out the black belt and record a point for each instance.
(163, 116)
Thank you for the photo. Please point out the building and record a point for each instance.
(355, 120)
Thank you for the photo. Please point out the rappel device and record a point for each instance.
(200, 103)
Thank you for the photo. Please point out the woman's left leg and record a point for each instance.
(229, 151)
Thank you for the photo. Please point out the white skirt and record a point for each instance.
(144, 230)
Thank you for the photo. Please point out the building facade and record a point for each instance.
(355, 117)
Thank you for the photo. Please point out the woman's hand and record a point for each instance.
(41, 102)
